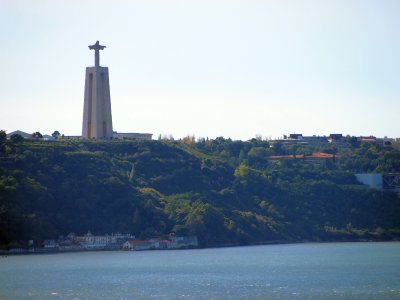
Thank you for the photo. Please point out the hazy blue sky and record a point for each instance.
(210, 68)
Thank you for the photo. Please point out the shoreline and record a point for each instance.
(42, 251)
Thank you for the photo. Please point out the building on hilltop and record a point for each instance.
(29, 136)
(335, 137)
(299, 139)
(296, 136)
(133, 136)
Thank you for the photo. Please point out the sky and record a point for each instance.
(231, 68)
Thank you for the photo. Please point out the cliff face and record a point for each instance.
(224, 192)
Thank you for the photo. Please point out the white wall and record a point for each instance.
(373, 180)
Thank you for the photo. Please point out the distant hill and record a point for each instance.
(223, 191)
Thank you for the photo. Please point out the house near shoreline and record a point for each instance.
(88, 241)
(172, 242)
(118, 241)
(136, 245)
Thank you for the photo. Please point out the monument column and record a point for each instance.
(97, 120)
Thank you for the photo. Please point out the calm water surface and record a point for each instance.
(296, 271)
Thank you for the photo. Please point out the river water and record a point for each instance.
(292, 271)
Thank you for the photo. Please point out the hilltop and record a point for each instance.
(223, 191)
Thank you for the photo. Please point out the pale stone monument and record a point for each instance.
(97, 121)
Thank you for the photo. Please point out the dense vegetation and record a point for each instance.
(224, 191)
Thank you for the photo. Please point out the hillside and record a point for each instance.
(224, 191)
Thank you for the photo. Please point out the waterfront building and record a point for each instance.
(50, 245)
(137, 245)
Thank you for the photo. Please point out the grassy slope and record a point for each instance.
(150, 188)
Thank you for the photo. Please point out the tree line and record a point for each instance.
(223, 191)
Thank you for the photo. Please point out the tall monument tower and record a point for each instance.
(97, 121)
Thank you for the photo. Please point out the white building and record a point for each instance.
(379, 181)
(373, 180)
(133, 136)
(136, 245)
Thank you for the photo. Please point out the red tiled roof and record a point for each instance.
(321, 155)
(138, 242)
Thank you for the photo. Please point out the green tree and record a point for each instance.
(207, 222)
(37, 135)
(242, 171)
(3, 137)
(56, 134)
(3, 142)
(242, 156)
(353, 141)
(16, 138)
(278, 148)
(257, 157)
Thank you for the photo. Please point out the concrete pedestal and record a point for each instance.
(97, 121)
